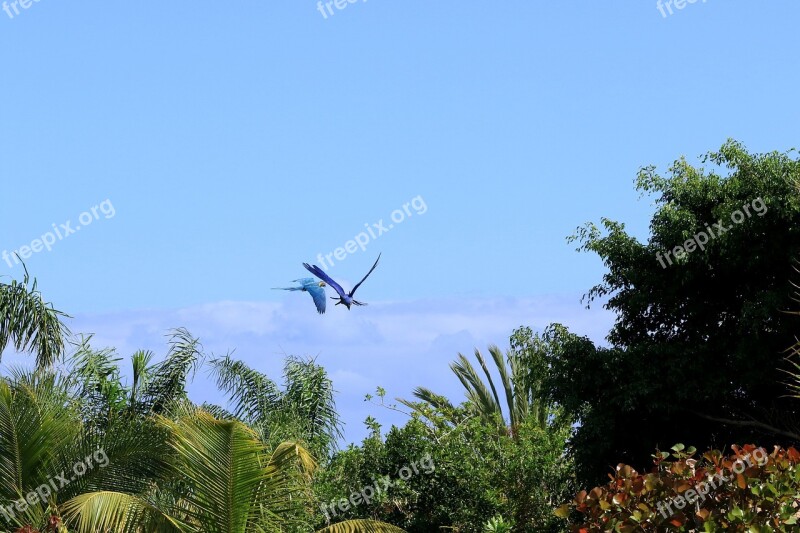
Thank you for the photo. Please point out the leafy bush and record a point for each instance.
(749, 490)
(477, 474)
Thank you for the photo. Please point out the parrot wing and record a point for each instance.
(317, 293)
(317, 271)
(365, 277)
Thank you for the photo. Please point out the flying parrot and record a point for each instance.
(313, 287)
(344, 298)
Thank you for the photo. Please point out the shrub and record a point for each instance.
(749, 490)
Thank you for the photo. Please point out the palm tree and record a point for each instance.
(40, 434)
(182, 470)
(29, 323)
(45, 435)
(521, 373)
(171, 466)
(219, 478)
(305, 409)
(107, 401)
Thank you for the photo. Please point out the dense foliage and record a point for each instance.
(697, 348)
(467, 474)
(705, 310)
(752, 489)
(83, 450)
(495, 457)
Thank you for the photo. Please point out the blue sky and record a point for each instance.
(237, 140)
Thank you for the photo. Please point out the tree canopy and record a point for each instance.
(696, 351)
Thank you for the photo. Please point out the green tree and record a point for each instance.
(493, 455)
(695, 352)
(473, 473)
(457, 494)
(305, 409)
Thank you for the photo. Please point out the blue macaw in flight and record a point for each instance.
(345, 298)
(313, 287)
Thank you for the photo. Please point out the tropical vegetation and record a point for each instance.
(554, 432)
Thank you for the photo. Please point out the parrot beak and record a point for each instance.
(322, 284)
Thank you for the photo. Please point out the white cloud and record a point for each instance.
(397, 345)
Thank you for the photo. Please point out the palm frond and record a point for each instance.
(500, 365)
(437, 401)
(116, 511)
(29, 323)
(231, 482)
(135, 452)
(361, 526)
(252, 394)
(38, 429)
(96, 377)
(140, 365)
(477, 393)
(309, 395)
(515, 410)
(522, 371)
(218, 412)
(169, 378)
